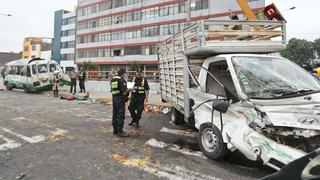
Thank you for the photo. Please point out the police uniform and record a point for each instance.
(56, 81)
(119, 98)
(82, 77)
(138, 96)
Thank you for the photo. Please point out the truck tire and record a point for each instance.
(211, 142)
(177, 117)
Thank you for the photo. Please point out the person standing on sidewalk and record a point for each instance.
(73, 77)
(139, 97)
(82, 78)
(119, 98)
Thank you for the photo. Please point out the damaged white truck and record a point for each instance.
(217, 76)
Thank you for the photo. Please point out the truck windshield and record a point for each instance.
(272, 78)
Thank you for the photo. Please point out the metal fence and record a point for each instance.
(152, 76)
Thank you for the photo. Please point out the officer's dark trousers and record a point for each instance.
(73, 85)
(136, 107)
(118, 114)
(82, 86)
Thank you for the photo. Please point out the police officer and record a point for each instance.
(56, 82)
(139, 96)
(82, 77)
(119, 98)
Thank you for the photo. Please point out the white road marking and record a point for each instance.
(18, 119)
(10, 144)
(179, 132)
(59, 132)
(32, 140)
(173, 147)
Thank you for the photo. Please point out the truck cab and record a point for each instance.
(272, 113)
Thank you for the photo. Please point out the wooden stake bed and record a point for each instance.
(208, 38)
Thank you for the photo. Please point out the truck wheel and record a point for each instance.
(177, 117)
(211, 142)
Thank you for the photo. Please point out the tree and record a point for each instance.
(316, 47)
(90, 65)
(299, 50)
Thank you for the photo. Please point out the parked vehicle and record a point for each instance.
(30, 75)
(218, 80)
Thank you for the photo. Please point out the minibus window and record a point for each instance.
(42, 68)
(52, 67)
(28, 71)
(34, 69)
(11, 70)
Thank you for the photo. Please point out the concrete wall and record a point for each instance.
(7, 57)
(104, 86)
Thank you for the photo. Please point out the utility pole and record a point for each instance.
(1, 14)
(188, 12)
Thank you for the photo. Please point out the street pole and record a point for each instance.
(292, 8)
(188, 12)
(1, 14)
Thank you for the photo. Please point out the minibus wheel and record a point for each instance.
(9, 88)
(25, 89)
(211, 142)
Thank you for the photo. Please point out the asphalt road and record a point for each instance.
(42, 137)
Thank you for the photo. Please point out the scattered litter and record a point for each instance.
(58, 135)
(128, 161)
(21, 176)
(157, 109)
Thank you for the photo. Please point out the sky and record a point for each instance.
(36, 17)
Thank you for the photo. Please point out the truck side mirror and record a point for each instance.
(219, 105)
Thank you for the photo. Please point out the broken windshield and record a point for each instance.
(267, 77)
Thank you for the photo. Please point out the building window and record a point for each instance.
(26, 48)
(149, 32)
(116, 52)
(33, 47)
(134, 50)
(199, 5)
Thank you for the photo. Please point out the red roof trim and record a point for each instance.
(132, 10)
(163, 22)
(123, 62)
(118, 46)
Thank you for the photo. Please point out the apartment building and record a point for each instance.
(64, 39)
(34, 47)
(125, 33)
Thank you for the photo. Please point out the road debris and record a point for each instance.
(157, 109)
(170, 172)
(58, 135)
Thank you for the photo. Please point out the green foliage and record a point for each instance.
(316, 47)
(299, 50)
(90, 65)
(133, 65)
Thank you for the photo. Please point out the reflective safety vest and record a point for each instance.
(56, 78)
(140, 89)
(115, 85)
